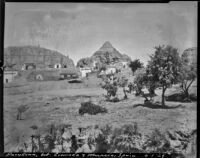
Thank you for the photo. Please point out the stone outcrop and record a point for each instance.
(17, 56)
(190, 54)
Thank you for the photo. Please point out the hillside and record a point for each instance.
(105, 53)
(191, 54)
(16, 56)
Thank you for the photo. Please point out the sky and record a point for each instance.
(80, 29)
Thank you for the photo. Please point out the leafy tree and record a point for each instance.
(84, 62)
(110, 85)
(188, 74)
(142, 80)
(123, 82)
(164, 67)
(139, 80)
(134, 65)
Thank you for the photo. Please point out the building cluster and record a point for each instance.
(112, 68)
(64, 71)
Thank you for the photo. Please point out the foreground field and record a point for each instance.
(55, 102)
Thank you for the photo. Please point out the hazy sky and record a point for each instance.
(79, 29)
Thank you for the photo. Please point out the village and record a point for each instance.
(100, 78)
(60, 71)
(61, 89)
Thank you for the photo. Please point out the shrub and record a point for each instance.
(103, 139)
(181, 97)
(102, 145)
(127, 139)
(156, 143)
(75, 81)
(90, 108)
(193, 97)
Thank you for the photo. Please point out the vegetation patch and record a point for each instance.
(90, 108)
(75, 81)
(94, 139)
(181, 97)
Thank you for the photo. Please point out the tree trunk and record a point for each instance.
(186, 94)
(152, 91)
(163, 96)
(125, 95)
(185, 89)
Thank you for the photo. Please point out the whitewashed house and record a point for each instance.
(125, 64)
(84, 71)
(94, 65)
(111, 70)
(9, 75)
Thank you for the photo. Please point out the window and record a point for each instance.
(6, 80)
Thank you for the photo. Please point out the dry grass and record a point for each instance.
(59, 102)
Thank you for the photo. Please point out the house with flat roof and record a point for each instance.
(68, 73)
(84, 71)
(9, 75)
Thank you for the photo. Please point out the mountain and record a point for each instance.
(106, 54)
(41, 57)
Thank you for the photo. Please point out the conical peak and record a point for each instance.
(107, 46)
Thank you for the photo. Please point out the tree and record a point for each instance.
(84, 62)
(110, 85)
(164, 67)
(134, 65)
(151, 86)
(139, 80)
(188, 73)
(123, 82)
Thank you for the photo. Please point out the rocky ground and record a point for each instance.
(58, 102)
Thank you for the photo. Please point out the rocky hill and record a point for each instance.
(16, 56)
(106, 54)
(191, 55)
